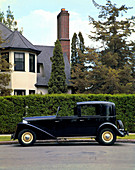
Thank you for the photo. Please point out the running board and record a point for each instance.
(68, 139)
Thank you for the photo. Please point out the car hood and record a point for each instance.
(39, 118)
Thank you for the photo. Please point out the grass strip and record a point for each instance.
(5, 138)
(131, 136)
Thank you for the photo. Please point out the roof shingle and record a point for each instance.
(5, 32)
(15, 40)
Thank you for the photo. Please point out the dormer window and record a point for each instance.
(19, 60)
(40, 69)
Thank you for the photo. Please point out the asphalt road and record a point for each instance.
(92, 156)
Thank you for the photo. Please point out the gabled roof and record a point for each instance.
(15, 40)
(44, 58)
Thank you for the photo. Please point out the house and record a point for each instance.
(31, 63)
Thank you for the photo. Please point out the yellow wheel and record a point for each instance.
(107, 137)
(26, 137)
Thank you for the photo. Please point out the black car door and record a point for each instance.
(66, 126)
(89, 120)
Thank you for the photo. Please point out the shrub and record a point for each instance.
(13, 108)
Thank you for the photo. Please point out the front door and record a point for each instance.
(66, 126)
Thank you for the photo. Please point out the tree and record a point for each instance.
(77, 44)
(108, 80)
(114, 71)
(4, 74)
(77, 63)
(111, 68)
(57, 82)
(9, 20)
(74, 53)
(81, 42)
(82, 73)
(1, 16)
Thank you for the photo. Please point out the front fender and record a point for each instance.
(117, 131)
(22, 126)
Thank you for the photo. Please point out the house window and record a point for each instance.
(38, 68)
(32, 63)
(6, 57)
(31, 91)
(19, 60)
(20, 92)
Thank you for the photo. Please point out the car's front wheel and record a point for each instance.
(26, 137)
(107, 137)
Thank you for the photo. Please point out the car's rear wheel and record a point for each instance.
(107, 137)
(26, 137)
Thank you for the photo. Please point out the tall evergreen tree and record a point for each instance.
(82, 74)
(112, 68)
(74, 53)
(57, 83)
(77, 44)
(81, 42)
(114, 33)
(117, 53)
(9, 20)
(77, 62)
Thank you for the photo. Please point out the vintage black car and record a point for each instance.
(95, 119)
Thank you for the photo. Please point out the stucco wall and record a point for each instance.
(44, 90)
(23, 80)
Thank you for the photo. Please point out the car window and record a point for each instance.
(96, 109)
(88, 110)
(106, 110)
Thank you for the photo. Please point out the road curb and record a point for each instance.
(67, 141)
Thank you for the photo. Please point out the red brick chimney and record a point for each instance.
(63, 31)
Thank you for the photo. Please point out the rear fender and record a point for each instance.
(111, 126)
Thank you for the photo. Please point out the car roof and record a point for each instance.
(94, 102)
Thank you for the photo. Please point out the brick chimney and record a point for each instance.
(63, 31)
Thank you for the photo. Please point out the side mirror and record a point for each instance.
(57, 111)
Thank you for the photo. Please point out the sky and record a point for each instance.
(39, 17)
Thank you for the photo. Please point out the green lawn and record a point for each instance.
(7, 138)
(131, 136)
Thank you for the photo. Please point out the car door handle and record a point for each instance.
(81, 120)
(74, 120)
(57, 121)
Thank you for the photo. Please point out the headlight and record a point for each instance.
(24, 121)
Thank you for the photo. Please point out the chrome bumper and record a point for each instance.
(13, 136)
(123, 132)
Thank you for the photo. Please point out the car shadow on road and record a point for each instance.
(68, 144)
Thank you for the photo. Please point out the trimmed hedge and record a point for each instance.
(13, 108)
